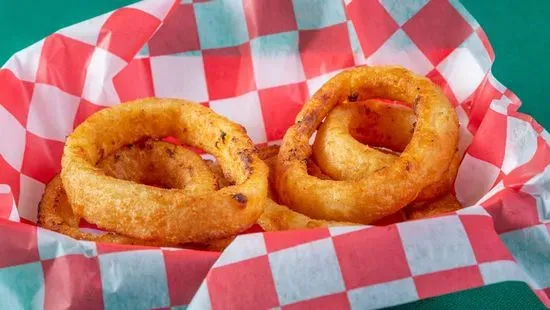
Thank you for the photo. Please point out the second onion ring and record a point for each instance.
(344, 157)
(385, 191)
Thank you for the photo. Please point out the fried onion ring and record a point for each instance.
(447, 203)
(343, 157)
(154, 163)
(150, 213)
(385, 191)
(277, 217)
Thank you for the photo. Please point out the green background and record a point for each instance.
(516, 29)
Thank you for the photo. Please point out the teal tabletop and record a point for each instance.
(516, 29)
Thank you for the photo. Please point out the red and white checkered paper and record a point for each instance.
(256, 62)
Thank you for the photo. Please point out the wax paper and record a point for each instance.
(256, 62)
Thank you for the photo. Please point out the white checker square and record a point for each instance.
(52, 245)
(402, 11)
(30, 195)
(495, 83)
(4, 189)
(13, 136)
(87, 31)
(52, 112)
(99, 87)
(242, 248)
(399, 49)
(436, 244)
(245, 110)
(521, 144)
(465, 14)
(465, 137)
(538, 187)
(201, 299)
(529, 246)
(14, 214)
(306, 271)
(502, 271)
(500, 105)
(342, 230)
(134, 280)
(474, 179)
(276, 60)
(383, 295)
(315, 83)
(358, 55)
(156, 8)
(545, 135)
(462, 72)
(180, 76)
(24, 64)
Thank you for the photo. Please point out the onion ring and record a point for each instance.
(445, 204)
(385, 191)
(154, 163)
(146, 212)
(277, 217)
(343, 157)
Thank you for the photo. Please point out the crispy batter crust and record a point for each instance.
(150, 213)
(385, 191)
(344, 157)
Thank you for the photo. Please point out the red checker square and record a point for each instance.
(135, 80)
(437, 29)
(6, 204)
(63, 63)
(85, 110)
(275, 241)
(485, 40)
(325, 50)
(42, 159)
(10, 176)
(371, 256)
(484, 240)
(106, 248)
(19, 244)
(519, 176)
(485, 145)
(544, 296)
(73, 278)
(335, 301)
(269, 17)
(512, 210)
(177, 34)
(15, 95)
(438, 79)
(280, 105)
(373, 31)
(185, 271)
(123, 36)
(255, 289)
(448, 281)
(482, 99)
(228, 71)
(515, 100)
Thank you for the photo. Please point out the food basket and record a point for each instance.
(256, 63)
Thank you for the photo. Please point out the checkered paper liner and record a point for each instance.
(256, 62)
